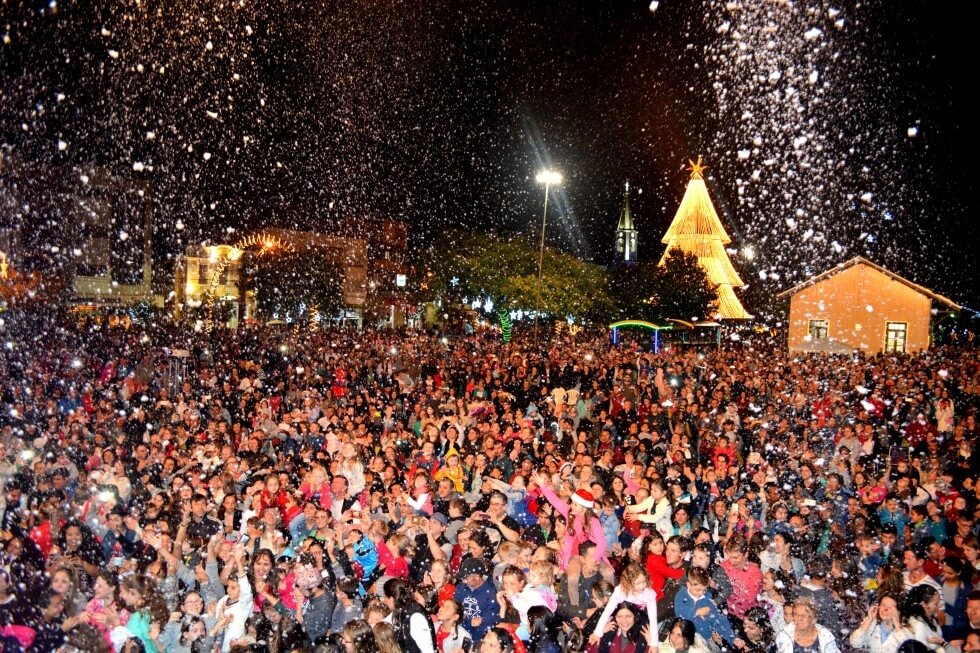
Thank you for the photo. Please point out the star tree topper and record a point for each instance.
(697, 169)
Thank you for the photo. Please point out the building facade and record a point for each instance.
(374, 267)
(90, 229)
(862, 306)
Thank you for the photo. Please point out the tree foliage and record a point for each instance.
(294, 283)
(678, 289)
(466, 266)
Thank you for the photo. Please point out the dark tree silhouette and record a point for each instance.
(678, 289)
(294, 283)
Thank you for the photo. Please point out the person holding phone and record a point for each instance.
(451, 637)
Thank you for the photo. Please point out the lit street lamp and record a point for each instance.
(548, 178)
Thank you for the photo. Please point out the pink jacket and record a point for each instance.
(594, 533)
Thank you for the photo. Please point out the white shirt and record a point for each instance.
(239, 611)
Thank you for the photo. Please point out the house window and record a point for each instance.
(818, 329)
(895, 333)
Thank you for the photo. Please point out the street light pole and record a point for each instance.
(546, 177)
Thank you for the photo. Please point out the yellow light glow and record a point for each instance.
(549, 177)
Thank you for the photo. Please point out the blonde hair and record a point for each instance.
(316, 467)
(441, 563)
(633, 574)
(400, 544)
(507, 551)
(543, 570)
(384, 635)
(378, 529)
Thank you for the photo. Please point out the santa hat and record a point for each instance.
(583, 498)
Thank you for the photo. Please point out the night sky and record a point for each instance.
(829, 130)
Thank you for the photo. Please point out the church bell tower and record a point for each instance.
(625, 232)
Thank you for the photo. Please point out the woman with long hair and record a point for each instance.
(624, 634)
(891, 580)
(450, 635)
(971, 556)
(82, 552)
(64, 581)
(395, 555)
(556, 534)
(922, 605)
(148, 611)
(682, 637)
(956, 590)
(497, 640)
(413, 626)
(106, 597)
(264, 576)
(24, 561)
(776, 587)
(882, 630)
(543, 628)
(438, 578)
(230, 514)
(617, 488)
(634, 589)
(384, 636)
(756, 634)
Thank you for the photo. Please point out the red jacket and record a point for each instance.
(659, 571)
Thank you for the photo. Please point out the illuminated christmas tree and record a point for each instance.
(696, 229)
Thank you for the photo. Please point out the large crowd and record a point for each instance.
(366, 491)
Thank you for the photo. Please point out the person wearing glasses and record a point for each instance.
(358, 637)
(178, 628)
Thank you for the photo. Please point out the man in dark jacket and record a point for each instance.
(478, 597)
